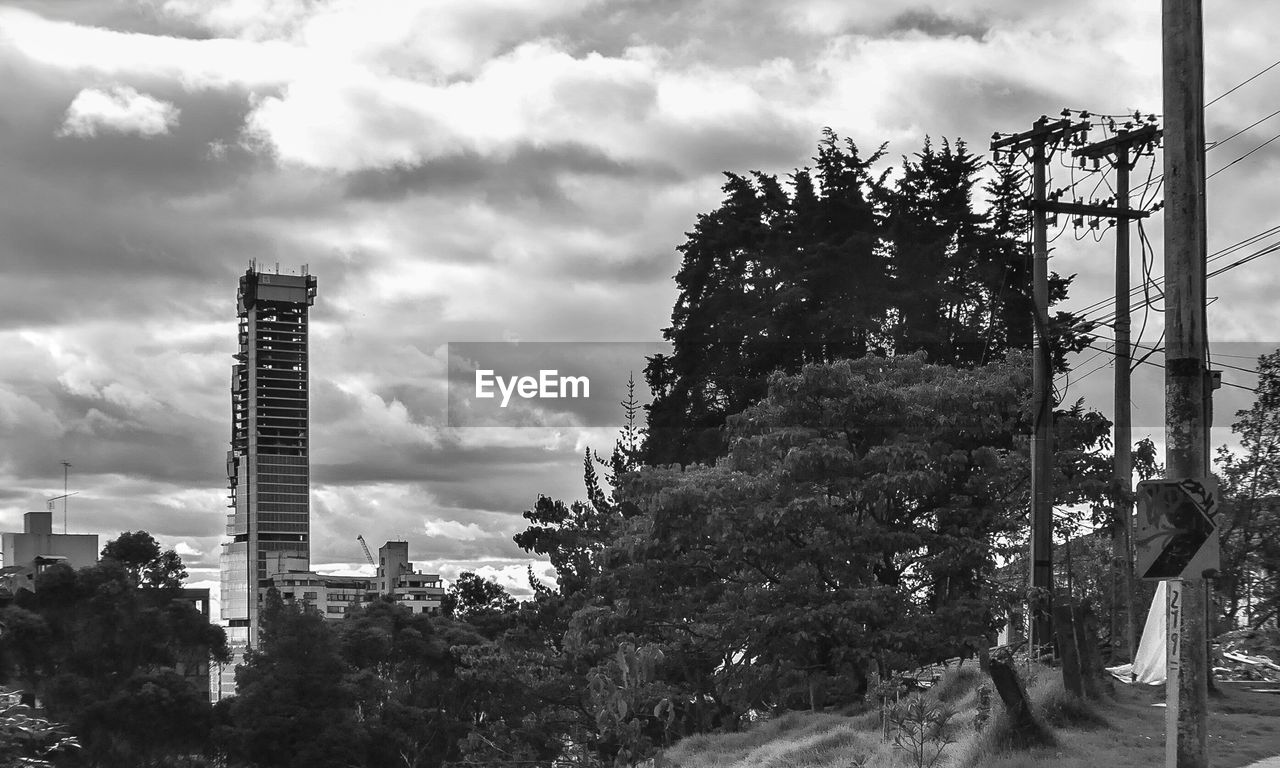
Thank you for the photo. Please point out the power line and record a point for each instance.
(1262, 72)
(1219, 254)
(1217, 144)
(1269, 249)
(1144, 361)
(1238, 159)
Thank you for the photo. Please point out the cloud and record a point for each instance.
(186, 550)
(469, 171)
(120, 109)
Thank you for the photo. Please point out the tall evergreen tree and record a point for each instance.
(843, 265)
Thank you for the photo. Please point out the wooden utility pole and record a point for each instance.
(1118, 149)
(1043, 137)
(1186, 455)
(1037, 143)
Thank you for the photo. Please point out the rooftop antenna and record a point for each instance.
(66, 465)
(66, 469)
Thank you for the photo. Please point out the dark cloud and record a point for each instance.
(138, 16)
(527, 172)
(722, 32)
(200, 154)
(119, 254)
(931, 23)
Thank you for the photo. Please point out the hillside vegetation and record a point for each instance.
(1126, 731)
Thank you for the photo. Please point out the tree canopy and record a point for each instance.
(1250, 516)
(845, 263)
(116, 653)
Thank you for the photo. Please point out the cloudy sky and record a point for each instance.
(478, 171)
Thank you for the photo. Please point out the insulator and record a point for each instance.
(1077, 222)
(1066, 112)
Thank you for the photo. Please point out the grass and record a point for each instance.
(958, 683)
(1126, 731)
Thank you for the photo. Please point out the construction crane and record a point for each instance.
(365, 547)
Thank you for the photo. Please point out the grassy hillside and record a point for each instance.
(1126, 731)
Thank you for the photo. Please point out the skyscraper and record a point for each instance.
(268, 465)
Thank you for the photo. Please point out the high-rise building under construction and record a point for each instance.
(268, 468)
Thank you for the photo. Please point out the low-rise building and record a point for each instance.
(335, 596)
(37, 547)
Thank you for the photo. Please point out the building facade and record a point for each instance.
(336, 596)
(37, 547)
(268, 469)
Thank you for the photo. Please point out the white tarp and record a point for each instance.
(1149, 665)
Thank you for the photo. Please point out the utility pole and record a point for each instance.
(1186, 456)
(1039, 143)
(1118, 149)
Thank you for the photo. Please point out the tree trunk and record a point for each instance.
(1025, 731)
(1064, 628)
(1095, 678)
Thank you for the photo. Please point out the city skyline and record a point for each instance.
(477, 172)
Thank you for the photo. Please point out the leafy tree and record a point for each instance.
(1249, 520)
(148, 721)
(27, 740)
(474, 598)
(855, 524)
(99, 650)
(407, 675)
(292, 706)
(852, 523)
(139, 553)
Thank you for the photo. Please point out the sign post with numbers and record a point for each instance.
(1176, 536)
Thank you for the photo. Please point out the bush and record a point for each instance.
(957, 682)
(1061, 709)
(998, 737)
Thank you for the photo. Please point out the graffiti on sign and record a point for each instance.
(1176, 534)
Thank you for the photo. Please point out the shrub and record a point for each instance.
(957, 682)
(1062, 709)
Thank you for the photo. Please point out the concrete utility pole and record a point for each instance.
(1118, 149)
(1037, 143)
(1186, 454)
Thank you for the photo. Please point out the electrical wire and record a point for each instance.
(1246, 154)
(1238, 86)
(1216, 144)
(1269, 249)
(1215, 256)
(1161, 366)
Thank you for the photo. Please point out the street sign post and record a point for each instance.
(1176, 533)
